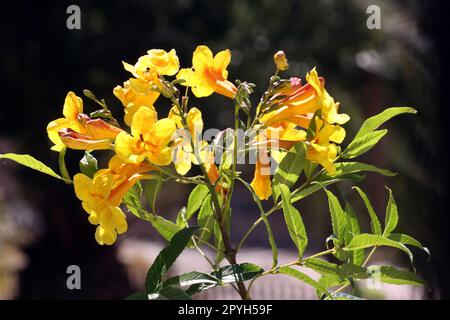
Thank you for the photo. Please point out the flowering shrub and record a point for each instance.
(293, 137)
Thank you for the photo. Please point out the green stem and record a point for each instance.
(363, 265)
(218, 213)
(62, 166)
(266, 222)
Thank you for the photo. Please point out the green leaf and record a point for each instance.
(345, 296)
(171, 293)
(238, 272)
(338, 217)
(309, 168)
(206, 219)
(132, 200)
(181, 218)
(354, 167)
(88, 165)
(294, 221)
(166, 258)
(30, 162)
(408, 240)
(305, 278)
(363, 144)
(191, 278)
(366, 240)
(324, 267)
(328, 281)
(389, 274)
(374, 222)
(138, 296)
(195, 199)
(318, 185)
(353, 229)
(391, 215)
(374, 122)
(218, 242)
(152, 188)
(289, 169)
(166, 228)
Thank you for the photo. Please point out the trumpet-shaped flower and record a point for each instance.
(156, 62)
(73, 106)
(102, 195)
(282, 135)
(322, 148)
(149, 139)
(77, 131)
(329, 108)
(261, 183)
(183, 152)
(208, 73)
(133, 95)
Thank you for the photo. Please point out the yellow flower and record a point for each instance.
(295, 103)
(73, 106)
(157, 62)
(261, 183)
(102, 195)
(208, 74)
(329, 108)
(322, 149)
(183, 152)
(77, 131)
(282, 135)
(133, 95)
(150, 139)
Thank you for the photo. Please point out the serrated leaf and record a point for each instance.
(389, 274)
(363, 144)
(171, 293)
(366, 240)
(166, 258)
(195, 199)
(408, 240)
(238, 272)
(88, 165)
(374, 221)
(323, 267)
(305, 278)
(338, 217)
(290, 168)
(391, 219)
(294, 221)
(166, 228)
(191, 278)
(355, 167)
(30, 162)
(318, 185)
(374, 122)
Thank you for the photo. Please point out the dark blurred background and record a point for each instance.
(43, 228)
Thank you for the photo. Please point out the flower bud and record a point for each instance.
(280, 61)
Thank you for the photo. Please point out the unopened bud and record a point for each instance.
(280, 61)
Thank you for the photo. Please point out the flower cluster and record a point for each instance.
(289, 113)
(293, 136)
